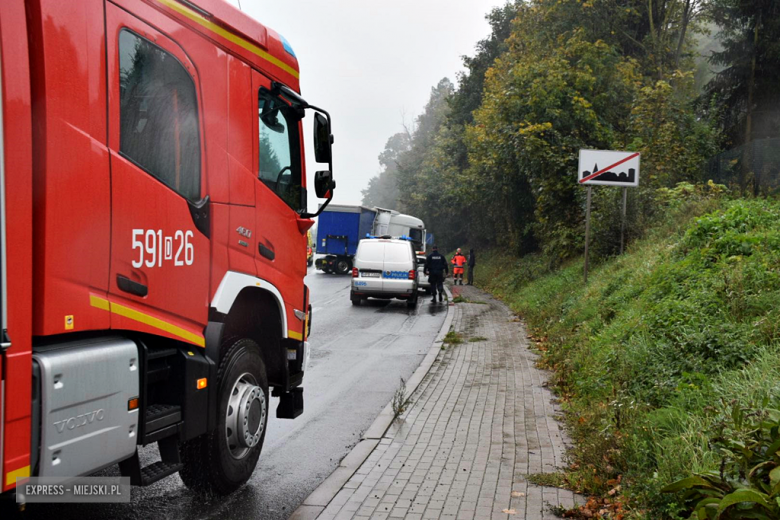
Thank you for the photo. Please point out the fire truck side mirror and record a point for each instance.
(322, 138)
(323, 184)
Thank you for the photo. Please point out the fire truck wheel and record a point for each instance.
(222, 461)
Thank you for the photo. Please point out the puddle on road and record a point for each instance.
(434, 309)
(399, 307)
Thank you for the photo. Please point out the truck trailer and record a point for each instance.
(341, 227)
(153, 219)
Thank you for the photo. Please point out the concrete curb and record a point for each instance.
(319, 499)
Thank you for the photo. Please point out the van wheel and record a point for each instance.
(222, 461)
(356, 300)
(412, 302)
(343, 266)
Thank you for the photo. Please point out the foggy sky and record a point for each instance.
(371, 64)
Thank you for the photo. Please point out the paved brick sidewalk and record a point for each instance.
(478, 424)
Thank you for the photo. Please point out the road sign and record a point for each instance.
(609, 168)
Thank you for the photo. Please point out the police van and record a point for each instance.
(385, 268)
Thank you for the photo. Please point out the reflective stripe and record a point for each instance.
(127, 312)
(11, 477)
(98, 302)
(294, 335)
(233, 38)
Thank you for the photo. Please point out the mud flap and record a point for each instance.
(290, 404)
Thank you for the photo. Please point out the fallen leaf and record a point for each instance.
(518, 494)
(509, 511)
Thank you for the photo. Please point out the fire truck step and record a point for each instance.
(158, 471)
(168, 464)
(160, 353)
(158, 416)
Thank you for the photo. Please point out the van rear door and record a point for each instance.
(369, 261)
(397, 264)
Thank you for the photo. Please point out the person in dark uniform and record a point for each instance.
(436, 269)
(471, 263)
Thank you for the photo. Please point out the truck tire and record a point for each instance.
(221, 461)
(343, 266)
(356, 300)
(412, 302)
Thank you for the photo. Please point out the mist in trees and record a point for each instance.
(492, 161)
(432, 155)
(382, 190)
(745, 90)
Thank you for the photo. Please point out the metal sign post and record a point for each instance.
(623, 221)
(587, 230)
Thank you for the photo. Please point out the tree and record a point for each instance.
(542, 103)
(493, 162)
(746, 87)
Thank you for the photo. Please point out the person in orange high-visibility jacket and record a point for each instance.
(458, 262)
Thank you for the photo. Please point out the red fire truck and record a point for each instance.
(152, 238)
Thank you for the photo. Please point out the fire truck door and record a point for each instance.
(281, 245)
(159, 229)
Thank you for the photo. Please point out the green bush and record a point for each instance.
(747, 483)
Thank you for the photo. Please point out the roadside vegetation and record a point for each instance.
(668, 361)
(401, 400)
(453, 338)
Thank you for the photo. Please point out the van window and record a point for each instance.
(398, 253)
(158, 115)
(371, 251)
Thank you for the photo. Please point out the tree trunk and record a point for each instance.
(747, 155)
(690, 5)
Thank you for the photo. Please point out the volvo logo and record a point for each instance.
(244, 232)
(80, 420)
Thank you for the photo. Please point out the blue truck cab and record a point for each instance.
(339, 229)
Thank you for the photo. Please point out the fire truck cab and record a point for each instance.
(153, 221)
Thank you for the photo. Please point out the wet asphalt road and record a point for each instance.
(358, 356)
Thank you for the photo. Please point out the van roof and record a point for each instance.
(238, 33)
(393, 240)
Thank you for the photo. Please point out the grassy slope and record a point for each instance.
(647, 352)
